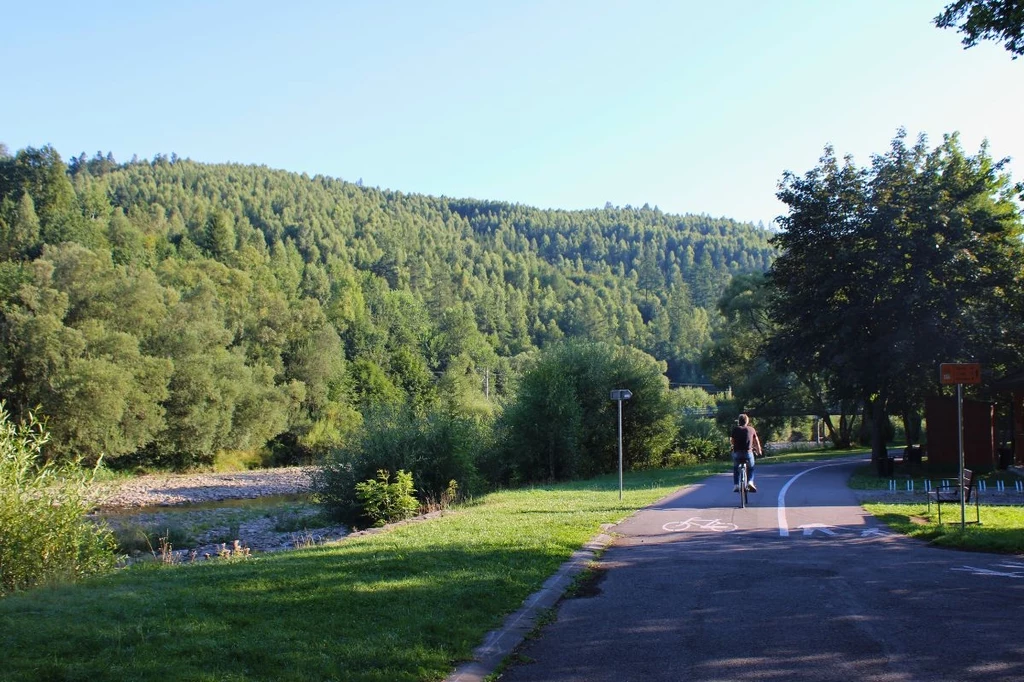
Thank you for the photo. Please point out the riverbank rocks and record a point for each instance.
(209, 533)
(196, 517)
(153, 490)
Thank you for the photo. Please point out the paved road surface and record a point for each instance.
(803, 585)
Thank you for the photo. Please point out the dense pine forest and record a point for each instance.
(159, 312)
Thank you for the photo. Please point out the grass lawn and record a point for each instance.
(1001, 529)
(1002, 525)
(405, 604)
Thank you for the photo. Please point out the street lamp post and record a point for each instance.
(619, 395)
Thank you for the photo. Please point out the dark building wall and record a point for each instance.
(979, 433)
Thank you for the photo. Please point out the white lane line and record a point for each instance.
(783, 524)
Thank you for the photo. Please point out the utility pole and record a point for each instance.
(619, 395)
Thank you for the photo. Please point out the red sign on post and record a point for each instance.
(962, 373)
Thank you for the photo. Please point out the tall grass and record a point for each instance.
(44, 536)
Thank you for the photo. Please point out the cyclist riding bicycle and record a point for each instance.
(745, 444)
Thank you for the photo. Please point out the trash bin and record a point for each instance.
(1005, 458)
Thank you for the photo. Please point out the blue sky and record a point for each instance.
(694, 107)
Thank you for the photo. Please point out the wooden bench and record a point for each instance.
(947, 494)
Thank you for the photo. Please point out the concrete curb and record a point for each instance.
(499, 643)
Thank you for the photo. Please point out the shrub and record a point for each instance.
(336, 425)
(44, 535)
(239, 460)
(693, 398)
(385, 502)
(704, 449)
(448, 498)
(681, 459)
(702, 439)
(334, 485)
(563, 425)
(438, 445)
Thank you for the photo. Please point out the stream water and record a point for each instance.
(263, 502)
(266, 523)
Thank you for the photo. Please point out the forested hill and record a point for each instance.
(169, 309)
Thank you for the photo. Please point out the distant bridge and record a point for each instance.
(764, 412)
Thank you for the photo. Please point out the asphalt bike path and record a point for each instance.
(801, 585)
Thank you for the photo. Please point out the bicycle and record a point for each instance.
(743, 483)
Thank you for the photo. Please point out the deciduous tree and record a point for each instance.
(890, 270)
(987, 20)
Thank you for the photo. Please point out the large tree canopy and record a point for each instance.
(164, 312)
(987, 20)
(890, 270)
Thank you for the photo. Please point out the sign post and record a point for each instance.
(960, 374)
(619, 395)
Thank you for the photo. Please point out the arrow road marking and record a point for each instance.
(781, 513)
(987, 571)
(809, 529)
(874, 532)
(1011, 565)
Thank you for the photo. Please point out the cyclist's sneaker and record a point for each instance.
(751, 487)
(735, 488)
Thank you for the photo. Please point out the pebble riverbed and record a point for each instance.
(154, 490)
(184, 507)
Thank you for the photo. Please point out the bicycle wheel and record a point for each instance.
(676, 526)
(743, 485)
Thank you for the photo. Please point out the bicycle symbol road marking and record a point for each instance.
(693, 523)
(1014, 572)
